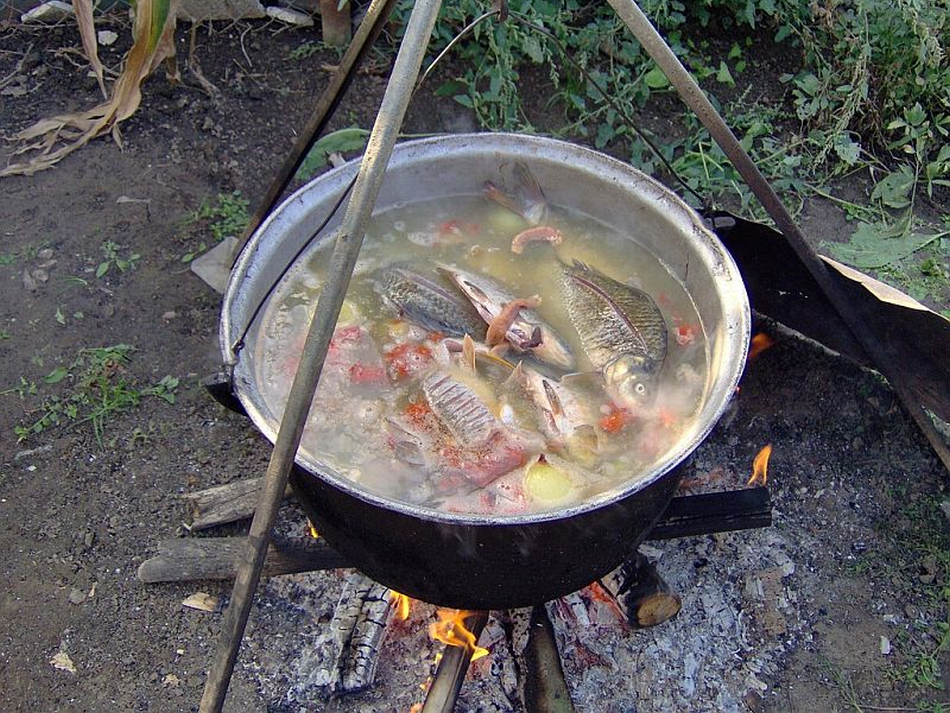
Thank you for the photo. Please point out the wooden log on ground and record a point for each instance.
(647, 596)
(225, 503)
(217, 557)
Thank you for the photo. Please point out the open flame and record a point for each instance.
(400, 604)
(760, 342)
(760, 466)
(312, 530)
(450, 629)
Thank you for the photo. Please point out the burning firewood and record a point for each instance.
(647, 596)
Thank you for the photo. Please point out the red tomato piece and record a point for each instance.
(407, 359)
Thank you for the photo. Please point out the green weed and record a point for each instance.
(227, 216)
(113, 259)
(96, 385)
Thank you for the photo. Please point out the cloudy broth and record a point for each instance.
(373, 420)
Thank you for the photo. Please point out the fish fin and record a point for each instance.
(575, 377)
(517, 375)
(581, 265)
(468, 352)
(552, 397)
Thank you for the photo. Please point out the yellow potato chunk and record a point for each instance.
(348, 313)
(546, 484)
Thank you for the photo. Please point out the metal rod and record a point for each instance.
(693, 96)
(345, 252)
(447, 683)
(377, 15)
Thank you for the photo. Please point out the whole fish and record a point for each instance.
(425, 302)
(622, 330)
(527, 332)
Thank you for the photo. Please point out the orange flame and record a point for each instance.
(760, 466)
(450, 629)
(760, 342)
(400, 603)
(415, 708)
(313, 531)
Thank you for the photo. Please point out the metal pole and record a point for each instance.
(345, 252)
(444, 691)
(366, 35)
(693, 96)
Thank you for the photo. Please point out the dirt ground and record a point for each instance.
(855, 486)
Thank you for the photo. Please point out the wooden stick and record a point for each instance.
(545, 689)
(335, 22)
(217, 558)
(647, 596)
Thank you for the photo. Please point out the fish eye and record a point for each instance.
(641, 389)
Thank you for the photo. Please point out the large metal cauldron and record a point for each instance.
(470, 561)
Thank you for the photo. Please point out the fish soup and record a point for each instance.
(467, 377)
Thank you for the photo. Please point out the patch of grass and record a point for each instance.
(227, 215)
(95, 386)
(306, 50)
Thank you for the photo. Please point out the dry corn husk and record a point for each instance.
(51, 140)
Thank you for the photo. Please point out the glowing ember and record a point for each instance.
(450, 629)
(760, 342)
(312, 530)
(415, 708)
(400, 603)
(760, 466)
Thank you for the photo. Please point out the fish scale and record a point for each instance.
(465, 415)
(613, 318)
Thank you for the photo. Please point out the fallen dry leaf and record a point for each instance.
(62, 662)
(202, 601)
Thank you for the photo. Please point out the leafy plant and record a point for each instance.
(98, 385)
(228, 215)
(113, 259)
(349, 139)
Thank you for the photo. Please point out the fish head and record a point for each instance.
(630, 380)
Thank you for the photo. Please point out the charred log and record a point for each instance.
(648, 598)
